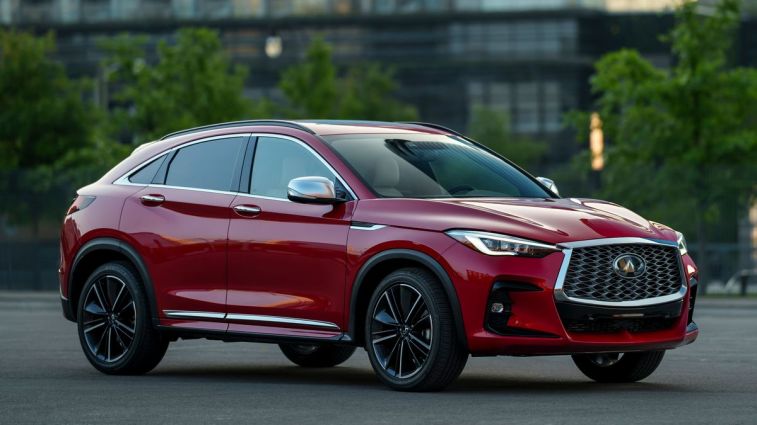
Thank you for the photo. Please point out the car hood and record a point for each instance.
(547, 220)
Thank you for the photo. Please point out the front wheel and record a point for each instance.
(618, 367)
(410, 333)
(114, 324)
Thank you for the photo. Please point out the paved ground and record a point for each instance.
(44, 378)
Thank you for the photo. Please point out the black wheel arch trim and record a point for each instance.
(411, 255)
(121, 247)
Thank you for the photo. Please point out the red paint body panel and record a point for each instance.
(289, 260)
(301, 261)
(546, 220)
(83, 226)
(183, 243)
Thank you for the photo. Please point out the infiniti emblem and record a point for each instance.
(629, 265)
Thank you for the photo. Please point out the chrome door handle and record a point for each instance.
(247, 210)
(152, 199)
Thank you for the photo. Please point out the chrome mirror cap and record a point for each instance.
(312, 190)
(549, 184)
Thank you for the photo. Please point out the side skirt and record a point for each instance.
(255, 328)
(185, 333)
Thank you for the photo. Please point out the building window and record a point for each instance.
(514, 39)
(533, 106)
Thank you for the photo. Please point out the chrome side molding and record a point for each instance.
(181, 314)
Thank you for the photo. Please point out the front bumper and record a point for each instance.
(538, 324)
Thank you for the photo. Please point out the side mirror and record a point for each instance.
(312, 190)
(549, 184)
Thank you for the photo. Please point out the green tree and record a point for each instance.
(193, 83)
(492, 128)
(368, 90)
(43, 119)
(314, 89)
(311, 87)
(682, 142)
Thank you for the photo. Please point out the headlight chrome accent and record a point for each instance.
(682, 246)
(497, 244)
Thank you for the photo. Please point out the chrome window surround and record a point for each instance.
(124, 179)
(181, 314)
(567, 249)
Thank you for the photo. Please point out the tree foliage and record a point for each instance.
(45, 125)
(193, 83)
(492, 128)
(682, 142)
(314, 89)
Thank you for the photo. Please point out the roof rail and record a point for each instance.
(431, 125)
(282, 123)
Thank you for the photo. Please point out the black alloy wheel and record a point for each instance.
(410, 332)
(115, 328)
(109, 318)
(402, 331)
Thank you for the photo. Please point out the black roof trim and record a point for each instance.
(281, 123)
(434, 126)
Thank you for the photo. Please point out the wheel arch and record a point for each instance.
(98, 251)
(383, 263)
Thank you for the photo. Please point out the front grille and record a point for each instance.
(590, 273)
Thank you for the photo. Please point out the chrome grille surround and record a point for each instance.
(670, 292)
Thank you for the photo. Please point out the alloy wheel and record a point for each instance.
(401, 331)
(109, 319)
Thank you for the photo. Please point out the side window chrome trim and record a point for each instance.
(312, 152)
(124, 179)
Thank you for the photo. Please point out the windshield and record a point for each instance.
(431, 166)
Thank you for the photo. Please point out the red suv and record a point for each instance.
(407, 239)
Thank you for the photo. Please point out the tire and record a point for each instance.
(619, 367)
(317, 355)
(115, 328)
(426, 330)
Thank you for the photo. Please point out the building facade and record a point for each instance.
(530, 58)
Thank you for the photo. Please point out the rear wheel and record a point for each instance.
(317, 355)
(410, 333)
(619, 367)
(114, 324)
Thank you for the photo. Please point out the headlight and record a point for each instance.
(682, 243)
(496, 244)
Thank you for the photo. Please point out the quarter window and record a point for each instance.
(277, 161)
(206, 165)
(146, 174)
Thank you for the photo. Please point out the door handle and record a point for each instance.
(247, 210)
(152, 200)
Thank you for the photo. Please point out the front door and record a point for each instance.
(287, 260)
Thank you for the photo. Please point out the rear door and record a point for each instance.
(179, 223)
(287, 260)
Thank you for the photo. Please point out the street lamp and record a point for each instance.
(596, 143)
(273, 46)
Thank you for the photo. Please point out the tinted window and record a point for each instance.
(431, 166)
(277, 161)
(206, 165)
(147, 173)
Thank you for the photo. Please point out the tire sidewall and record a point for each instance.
(396, 278)
(142, 316)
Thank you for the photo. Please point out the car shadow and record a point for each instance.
(365, 379)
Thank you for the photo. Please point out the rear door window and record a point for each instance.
(210, 165)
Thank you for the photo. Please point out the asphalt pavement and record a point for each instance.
(45, 379)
